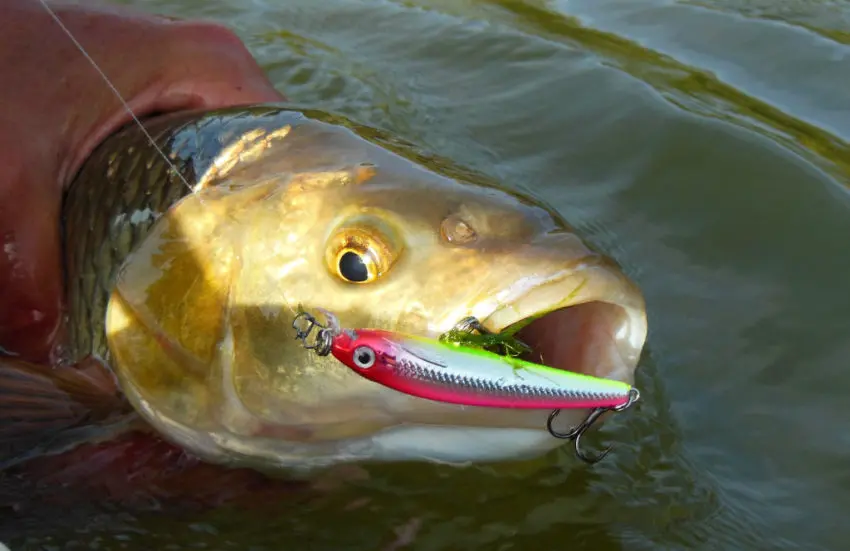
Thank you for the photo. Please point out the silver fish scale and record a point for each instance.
(414, 370)
(120, 192)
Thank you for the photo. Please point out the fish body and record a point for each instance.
(455, 374)
(181, 290)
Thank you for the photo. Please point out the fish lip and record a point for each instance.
(612, 313)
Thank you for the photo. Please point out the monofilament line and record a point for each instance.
(114, 91)
(125, 104)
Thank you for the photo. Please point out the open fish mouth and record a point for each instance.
(591, 321)
(591, 338)
(598, 337)
(594, 338)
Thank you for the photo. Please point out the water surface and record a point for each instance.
(703, 144)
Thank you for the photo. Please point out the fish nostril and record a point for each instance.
(457, 231)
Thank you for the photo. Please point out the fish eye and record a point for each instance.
(361, 253)
(364, 357)
(355, 266)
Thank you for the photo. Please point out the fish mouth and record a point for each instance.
(591, 322)
(593, 338)
(599, 331)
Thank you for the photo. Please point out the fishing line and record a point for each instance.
(129, 109)
(114, 91)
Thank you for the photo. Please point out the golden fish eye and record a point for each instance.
(362, 250)
(356, 266)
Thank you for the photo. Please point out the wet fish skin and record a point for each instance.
(121, 191)
(127, 220)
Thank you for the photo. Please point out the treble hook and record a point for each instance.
(578, 431)
(470, 324)
(324, 336)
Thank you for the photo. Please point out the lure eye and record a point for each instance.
(364, 357)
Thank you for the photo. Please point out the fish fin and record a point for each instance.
(39, 403)
(139, 470)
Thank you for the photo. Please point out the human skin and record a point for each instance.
(55, 108)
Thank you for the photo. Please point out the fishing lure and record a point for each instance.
(456, 374)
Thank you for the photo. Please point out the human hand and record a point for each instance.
(55, 109)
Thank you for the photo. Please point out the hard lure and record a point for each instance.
(455, 374)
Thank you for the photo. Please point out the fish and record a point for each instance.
(182, 287)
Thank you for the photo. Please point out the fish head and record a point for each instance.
(200, 324)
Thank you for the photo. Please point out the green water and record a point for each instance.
(701, 144)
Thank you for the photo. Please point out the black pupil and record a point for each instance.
(364, 357)
(352, 267)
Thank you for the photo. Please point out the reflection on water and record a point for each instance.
(703, 145)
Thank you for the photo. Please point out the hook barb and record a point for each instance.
(578, 431)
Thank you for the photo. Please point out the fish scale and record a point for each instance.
(119, 193)
(100, 231)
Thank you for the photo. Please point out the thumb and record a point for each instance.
(30, 272)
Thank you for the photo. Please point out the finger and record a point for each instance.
(30, 284)
(210, 68)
